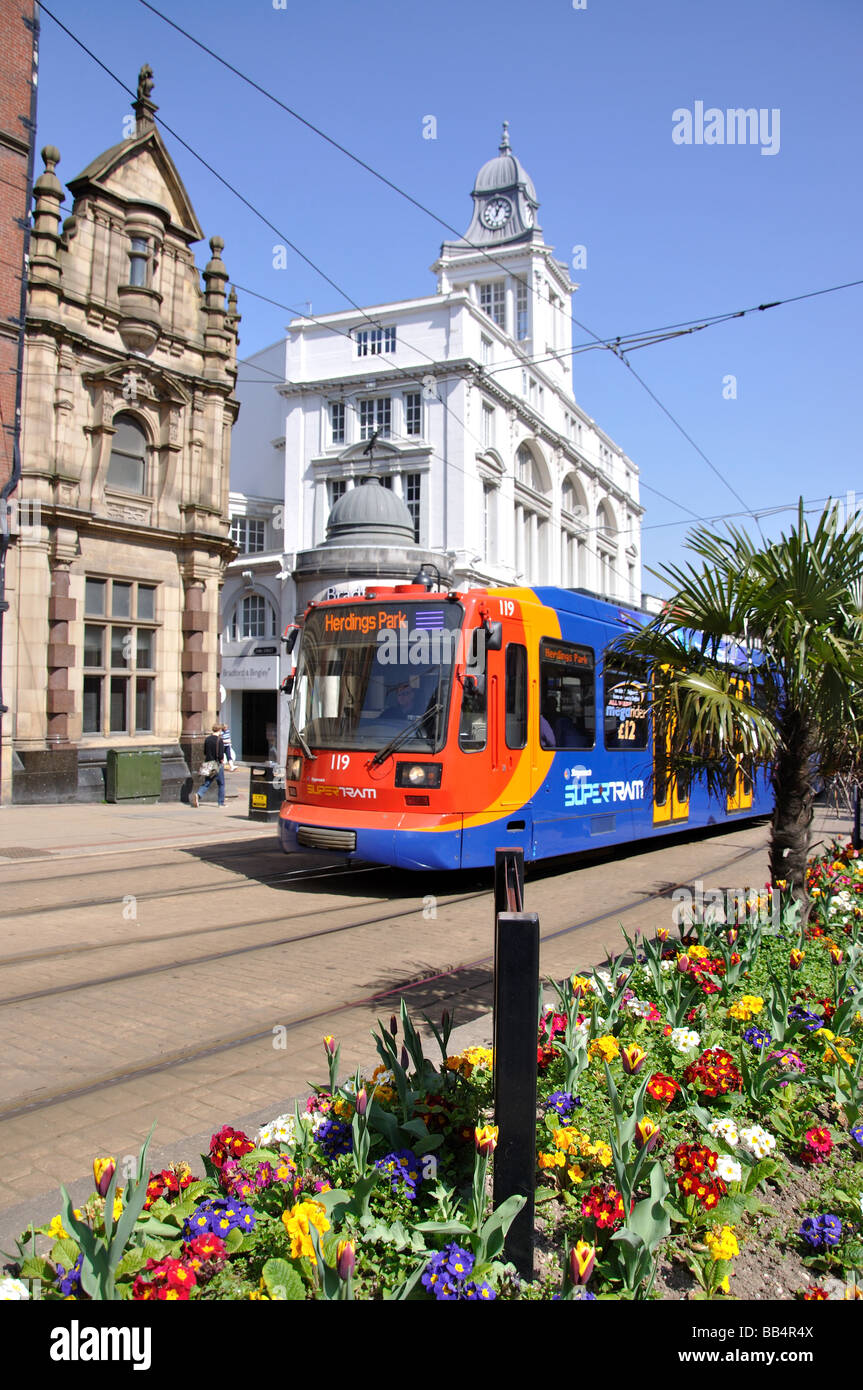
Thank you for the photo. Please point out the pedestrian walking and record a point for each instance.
(212, 768)
(230, 761)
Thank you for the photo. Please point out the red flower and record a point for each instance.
(229, 1143)
(817, 1146)
(662, 1088)
(605, 1205)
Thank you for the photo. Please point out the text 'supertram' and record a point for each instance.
(429, 729)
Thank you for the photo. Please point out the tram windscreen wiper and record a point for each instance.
(304, 747)
(405, 734)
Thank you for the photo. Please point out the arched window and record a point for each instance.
(253, 617)
(127, 468)
(606, 526)
(573, 508)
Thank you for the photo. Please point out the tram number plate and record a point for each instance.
(259, 799)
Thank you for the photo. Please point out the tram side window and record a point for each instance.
(516, 695)
(625, 702)
(566, 695)
(473, 725)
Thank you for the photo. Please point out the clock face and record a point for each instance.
(528, 215)
(496, 212)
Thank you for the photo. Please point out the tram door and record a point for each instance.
(670, 793)
(739, 796)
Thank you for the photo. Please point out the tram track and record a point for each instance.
(228, 1042)
(297, 876)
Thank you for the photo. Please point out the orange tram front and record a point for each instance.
(429, 729)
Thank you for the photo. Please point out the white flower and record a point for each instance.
(684, 1039)
(639, 1007)
(725, 1129)
(666, 966)
(727, 1168)
(281, 1130)
(757, 1141)
(387, 1077)
(604, 976)
(13, 1290)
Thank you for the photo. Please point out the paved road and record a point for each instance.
(191, 984)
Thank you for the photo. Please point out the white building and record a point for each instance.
(466, 399)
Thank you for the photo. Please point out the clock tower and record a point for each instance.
(504, 265)
(504, 201)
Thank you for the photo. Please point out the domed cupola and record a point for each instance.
(370, 515)
(504, 201)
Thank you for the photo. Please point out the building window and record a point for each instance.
(489, 522)
(371, 341)
(412, 492)
(375, 414)
(119, 657)
(337, 422)
(337, 487)
(386, 480)
(487, 426)
(487, 350)
(522, 320)
(492, 301)
(248, 533)
(253, 617)
(526, 469)
(127, 467)
(413, 413)
(139, 261)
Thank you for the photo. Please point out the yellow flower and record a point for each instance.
(485, 1139)
(118, 1208)
(699, 952)
(606, 1047)
(601, 1152)
(564, 1138)
(746, 1007)
(56, 1229)
(581, 984)
(722, 1244)
(575, 1173)
(298, 1223)
(548, 1160)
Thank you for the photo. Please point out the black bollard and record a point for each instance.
(516, 987)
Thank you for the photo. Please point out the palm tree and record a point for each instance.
(756, 661)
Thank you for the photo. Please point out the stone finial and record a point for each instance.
(45, 236)
(504, 146)
(144, 108)
(145, 82)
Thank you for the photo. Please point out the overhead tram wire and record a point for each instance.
(263, 91)
(312, 318)
(460, 422)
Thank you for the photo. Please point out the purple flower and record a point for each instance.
(563, 1102)
(757, 1038)
(69, 1281)
(403, 1169)
(334, 1138)
(821, 1231)
(446, 1276)
(857, 1134)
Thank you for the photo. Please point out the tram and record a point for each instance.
(429, 729)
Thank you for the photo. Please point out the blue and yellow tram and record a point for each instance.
(430, 729)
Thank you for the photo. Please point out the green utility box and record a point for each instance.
(133, 775)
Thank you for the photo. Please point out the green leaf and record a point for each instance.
(37, 1267)
(233, 1240)
(283, 1282)
(64, 1252)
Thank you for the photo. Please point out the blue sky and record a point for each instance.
(672, 231)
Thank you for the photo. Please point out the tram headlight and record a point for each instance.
(293, 768)
(418, 774)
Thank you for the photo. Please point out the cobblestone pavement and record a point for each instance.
(164, 964)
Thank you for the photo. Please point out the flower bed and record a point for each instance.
(700, 1105)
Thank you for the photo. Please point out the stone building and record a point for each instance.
(466, 396)
(129, 400)
(18, 61)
